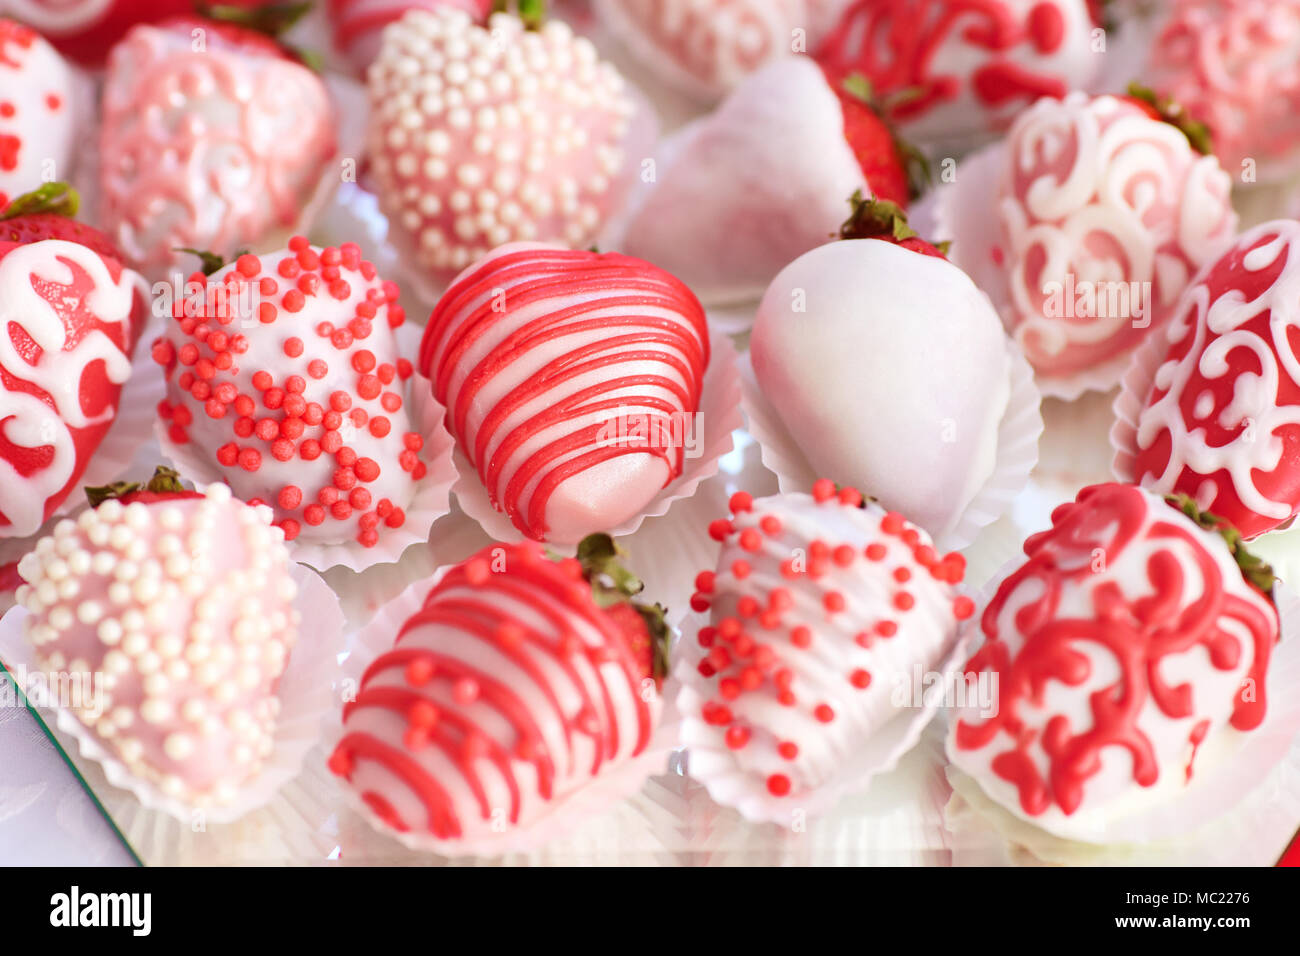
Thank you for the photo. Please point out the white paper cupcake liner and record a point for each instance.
(304, 690)
(1237, 764)
(431, 500)
(719, 415)
(1134, 389)
(1017, 451)
(113, 458)
(731, 786)
(592, 798)
(965, 212)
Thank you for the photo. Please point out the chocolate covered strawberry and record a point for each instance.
(953, 72)
(1135, 637)
(481, 136)
(36, 112)
(566, 375)
(819, 606)
(86, 30)
(74, 313)
(735, 205)
(283, 375)
(213, 138)
(519, 682)
(912, 366)
(179, 606)
(1221, 421)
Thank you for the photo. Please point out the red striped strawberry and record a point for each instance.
(74, 314)
(213, 138)
(36, 112)
(511, 689)
(568, 378)
(480, 136)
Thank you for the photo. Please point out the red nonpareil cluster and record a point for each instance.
(292, 385)
(744, 649)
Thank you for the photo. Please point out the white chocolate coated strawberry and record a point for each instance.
(820, 608)
(300, 400)
(36, 112)
(890, 369)
(213, 149)
(480, 137)
(548, 360)
(182, 612)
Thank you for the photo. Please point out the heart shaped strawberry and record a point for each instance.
(518, 682)
(910, 363)
(952, 71)
(213, 138)
(732, 208)
(1134, 635)
(1107, 209)
(568, 379)
(180, 607)
(1221, 422)
(36, 106)
(282, 371)
(359, 24)
(820, 607)
(482, 136)
(72, 315)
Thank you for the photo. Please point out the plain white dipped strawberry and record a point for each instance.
(910, 362)
(283, 374)
(37, 122)
(213, 138)
(763, 179)
(482, 136)
(180, 606)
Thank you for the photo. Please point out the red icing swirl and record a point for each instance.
(1139, 634)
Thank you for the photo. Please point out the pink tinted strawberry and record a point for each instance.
(483, 136)
(74, 316)
(182, 611)
(214, 148)
(283, 374)
(37, 99)
(359, 24)
(86, 30)
(507, 694)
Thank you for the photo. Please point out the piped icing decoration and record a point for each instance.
(209, 149)
(1232, 64)
(911, 364)
(1126, 645)
(519, 681)
(706, 47)
(818, 606)
(1221, 422)
(72, 315)
(962, 68)
(36, 111)
(179, 606)
(569, 378)
(359, 24)
(283, 370)
(1106, 214)
(483, 136)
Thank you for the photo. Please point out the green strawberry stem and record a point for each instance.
(271, 19)
(531, 12)
(164, 480)
(210, 262)
(1253, 568)
(879, 218)
(57, 199)
(611, 583)
(1173, 113)
(915, 163)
